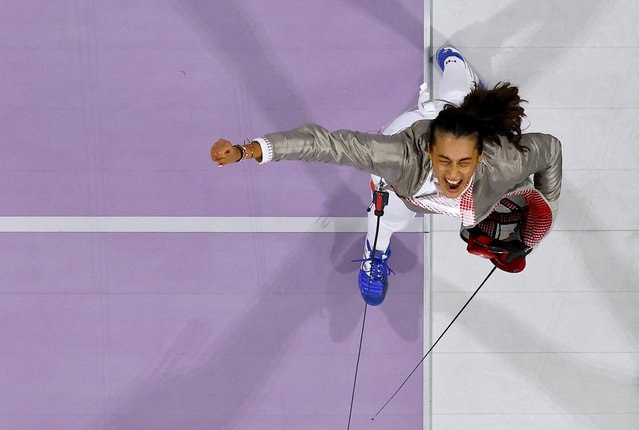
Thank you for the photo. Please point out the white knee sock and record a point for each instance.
(456, 81)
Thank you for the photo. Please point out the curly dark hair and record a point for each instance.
(487, 114)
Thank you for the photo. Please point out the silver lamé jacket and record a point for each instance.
(402, 160)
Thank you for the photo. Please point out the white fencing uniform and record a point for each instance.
(456, 83)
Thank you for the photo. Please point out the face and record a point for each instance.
(454, 160)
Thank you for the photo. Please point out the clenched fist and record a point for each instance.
(223, 152)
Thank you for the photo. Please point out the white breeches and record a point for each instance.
(453, 87)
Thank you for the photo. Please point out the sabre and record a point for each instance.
(433, 346)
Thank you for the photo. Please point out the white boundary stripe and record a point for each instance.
(427, 367)
(53, 224)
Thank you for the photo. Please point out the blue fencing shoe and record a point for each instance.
(373, 275)
(446, 54)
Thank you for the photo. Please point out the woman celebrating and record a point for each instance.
(463, 155)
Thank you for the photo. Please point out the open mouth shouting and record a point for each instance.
(454, 159)
(453, 187)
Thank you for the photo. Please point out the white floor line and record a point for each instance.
(133, 224)
(427, 369)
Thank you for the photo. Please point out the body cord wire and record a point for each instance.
(361, 337)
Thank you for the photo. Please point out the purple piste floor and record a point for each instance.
(109, 109)
(174, 331)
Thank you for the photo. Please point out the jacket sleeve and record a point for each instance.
(543, 161)
(382, 155)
